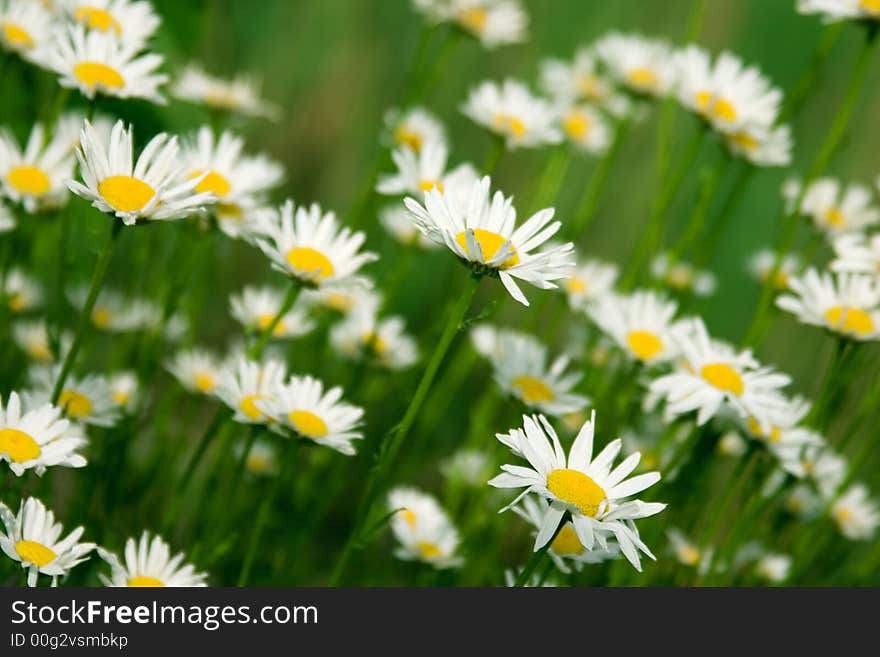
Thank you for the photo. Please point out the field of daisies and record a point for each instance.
(439, 293)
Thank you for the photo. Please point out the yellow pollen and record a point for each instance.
(101, 317)
(204, 381)
(409, 516)
(428, 550)
(834, 217)
(644, 344)
(489, 244)
(142, 581)
(842, 514)
(121, 397)
(428, 185)
(406, 137)
(308, 424)
(213, 182)
(263, 322)
(576, 125)
(249, 408)
(715, 107)
(92, 74)
(74, 403)
(39, 351)
(850, 320)
(510, 124)
(307, 260)
(780, 281)
(642, 78)
(744, 140)
(871, 6)
(375, 342)
(575, 285)
(689, 555)
(577, 489)
(18, 446)
(126, 194)
(222, 98)
(723, 377)
(339, 302)
(473, 19)
(97, 19)
(35, 553)
(229, 211)
(18, 302)
(258, 463)
(16, 37)
(29, 180)
(566, 542)
(532, 390)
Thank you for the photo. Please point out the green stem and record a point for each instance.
(694, 229)
(293, 291)
(796, 98)
(493, 155)
(709, 244)
(538, 556)
(551, 180)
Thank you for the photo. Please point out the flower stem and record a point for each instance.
(256, 349)
(708, 187)
(493, 155)
(551, 180)
(538, 556)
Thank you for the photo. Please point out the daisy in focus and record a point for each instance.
(242, 383)
(857, 253)
(492, 22)
(414, 128)
(423, 529)
(26, 28)
(255, 309)
(510, 111)
(35, 177)
(363, 335)
(761, 267)
(241, 95)
(588, 282)
(640, 64)
(640, 323)
(424, 170)
(197, 370)
(833, 207)
(132, 21)
(149, 563)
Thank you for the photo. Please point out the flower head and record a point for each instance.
(510, 111)
(35, 176)
(423, 529)
(148, 562)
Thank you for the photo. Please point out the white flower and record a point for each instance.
(580, 81)
(262, 458)
(641, 64)
(397, 221)
(363, 335)
(255, 308)
(857, 515)
(241, 95)
(818, 463)
(687, 552)
(834, 208)
(21, 291)
(88, 399)
(243, 383)
(35, 176)
(148, 562)
(836, 10)
(470, 466)
(586, 128)
(115, 311)
(589, 281)
(33, 338)
(682, 276)
(26, 28)
(8, 222)
(344, 296)
(197, 370)
(423, 529)
(423, 170)
(761, 266)
(773, 567)
(782, 432)
(132, 21)
(761, 145)
(124, 390)
(493, 22)
(641, 323)
(857, 253)
(512, 112)
(414, 128)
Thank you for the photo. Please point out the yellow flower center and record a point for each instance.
(718, 108)
(229, 211)
(575, 285)
(429, 550)
(35, 553)
(834, 217)
(644, 345)
(97, 19)
(307, 260)
(406, 137)
(16, 37)
(308, 424)
(121, 397)
(489, 244)
(723, 377)
(754, 427)
(532, 390)
(428, 185)
(142, 581)
(126, 194)
(249, 408)
(780, 281)
(510, 124)
(566, 542)
(679, 277)
(213, 182)
(642, 78)
(577, 489)
(92, 74)
(409, 516)
(263, 322)
(473, 19)
(258, 463)
(39, 351)
(339, 302)
(576, 125)
(375, 342)
(225, 99)
(204, 381)
(18, 446)
(871, 6)
(744, 140)
(29, 180)
(74, 403)
(689, 555)
(589, 87)
(101, 317)
(850, 320)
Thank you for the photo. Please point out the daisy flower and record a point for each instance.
(712, 374)
(148, 562)
(773, 567)
(304, 407)
(35, 176)
(99, 63)
(761, 146)
(148, 189)
(687, 552)
(395, 219)
(640, 323)
(492, 22)
(256, 307)
(261, 459)
(197, 370)
(132, 21)
(732, 444)
(520, 368)
(25, 28)
(32, 337)
(579, 81)
(512, 112)
(241, 95)
(469, 466)
(782, 431)
(413, 128)
(309, 246)
(124, 390)
(845, 304)
(833, 207)
(761, 266)
(424, 170)
(118, 312)
(480, 230)
(641, 64)
(37, 438)
(384, 341)
(595, 496)
(857, 253)
(589, 281)
(817, 463)
(88, 399)
(33, 538)
(856, 514)
(423, 529)
(243, 383)
(682, 276)
(344, 296)
(585, 128)
(837, 10)
(21, 291)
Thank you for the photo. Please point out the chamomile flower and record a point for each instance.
(845, 304)
(148, 189)
(468, 466)
(761, 266)
(585, 128)
(99, 63)
(35, 176)
(124, 390)
(117, 312)
(423, 529)
(32, 337)
(302, 406)
(37, 437)
(857, 253)
(833, 207)
(262, 458)
(87, 399)
(480, 230)
(492, 22)
(712, 375)
(21, 291)
(589, 281)
(132, 21)
(344, 296)
(148, 562)
(687, 552)
(25, 28)
(856, 514)
(362, 335)
(197, 370)
(760, 145)
(414, 128)
(255, 308)
(773, 567)
(640, 323)
(243, 383)
(817, 463)
(587, 488)
(732, 444)
(641, 64)
(423, 170)
(395, 219)
(308, 245)
(241, 95)
(580, 81)
(682, 276)
(69, 127)
(33, 538)
(510, 111)
(837, 10)
(783, 431)
(520, 368)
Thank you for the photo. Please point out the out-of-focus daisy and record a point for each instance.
(117, 312)
(241, 95)
(96, 62)
(397, 221)
(480, 230)
(761, 266)
(817, 463)
(803, 502)
(837, 10)
(846, 304)
(33, 538)
(25, 28)
(512, 112)
(148, 189)
(304, 407)
(732, 444)
(87, 399)
(712, 374)
(132, 21)
(761, 145)
(578, 81)
(783, 430)
(198, 370)
(243, 383)
(69, 127)
(687, 552)
(308, 245)
(33, 338)
(469, 466)
(493, 22)
(124, 390)
(414, 128)
(585, 128)
(37, 437)
(423, 529)
(423, 170)
(35, 176)
(595, 496)
(255, 308)
(148, 562)
(682, 276)
(589, 281)
(344, 296)
(773, 567)
(21, 291)
(261, 459)
(383, 341)
(484, 338)
(641, 64)
(857, 253)
(856, 514)
(833, 207)
(520, 368)
(640, 323)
